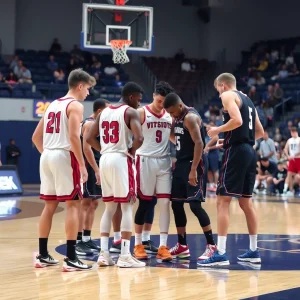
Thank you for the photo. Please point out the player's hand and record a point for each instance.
(213, 131)
(206, 150)
(83, 174)
(193, 177)
(220, 143)
(98, 180)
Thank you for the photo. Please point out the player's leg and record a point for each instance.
(292, 170)
(116, 221)
(146, 181)
(246, 204)
(47, 193)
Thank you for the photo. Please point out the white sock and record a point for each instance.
(163, 239)
(104, 243)
(125, 247)
(138, 239)
(86, 238)
(256, 184)
(146, 236)
(264, 183)
(222, 244)
(253, 242)
(117, 236)
(286, 186)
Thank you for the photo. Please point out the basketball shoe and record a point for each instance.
(164, 254)
(180, 251)
(115, 246)
(42, 262)
(74, 265)
(250, 256)
(209, 251)
(139, 252)
(82, 249)
(150, 248)
(104, 260)
(215, 260)
(92, 245)
(128, 261)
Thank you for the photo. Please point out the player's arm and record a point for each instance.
(135, 126)
(229, 104)
(37, 137)
(192, 124)
(259, 130)
(93, 133)
(142, 114)
(211, 145)
(75, 116)
(172, 134)
(286, 149)
(87, 149)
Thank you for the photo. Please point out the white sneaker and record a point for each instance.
(209, 251)
(289, 194)
(42, 262)
(128, 261)
(104, 259)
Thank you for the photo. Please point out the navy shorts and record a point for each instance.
(213, 160)
(238, 172)
(181, 189)
(90, 189)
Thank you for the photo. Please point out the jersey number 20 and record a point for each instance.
(110, 132)
(250, 118)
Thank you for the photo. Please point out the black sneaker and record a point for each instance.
(115, 246)
(42, 262)
(74, 265)
(83, 250)
(92, 245)
(150, 248)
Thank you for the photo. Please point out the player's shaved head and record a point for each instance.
(171, 100)
(100, 104)
(227, 79)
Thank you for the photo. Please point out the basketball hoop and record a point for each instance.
(119, 48)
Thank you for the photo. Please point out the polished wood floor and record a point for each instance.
(279, 224)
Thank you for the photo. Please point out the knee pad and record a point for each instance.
(179, 213)
(144, 206)
(200, 213)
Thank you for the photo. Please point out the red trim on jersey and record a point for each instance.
(154, 114)
(144, 115)
(163, 196)
(115, 107)
(131, 185)
(76, 182)
(125, 118)
(67, 108)
(138, 180)
(62, 99)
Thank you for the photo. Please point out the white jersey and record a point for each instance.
(294, 146)
(56, 125)
(156, 131)
(115, 136)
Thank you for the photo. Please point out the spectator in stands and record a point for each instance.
(251, 79)
(55, 47)
(261, 115)
(297, 47)
(11, 78)
(25, 76)
(59, 76)
(12, 153)
(260, 80)
(98, 80)
(72, 65)
(282, 74)
(293, 71)
(277, 136)
(252, 62)
(77, 54)
(290, 59)
(269, 94)
(269, 113)
(274, 56)
(186, 66)
(18, 69)
(279, 178)
(282, 54)
(112, 71)
(278, 93)
(286, 131)
(263, 65)
(14, 62)
(267, 148)
(180, 55)
(193, 65)
(52, 65)
(253, 95)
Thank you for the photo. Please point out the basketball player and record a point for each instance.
(91, 189)
(154, 171)
(117, 125)
(57, 138)
(242, 127)
(292, 151)
(189, 177)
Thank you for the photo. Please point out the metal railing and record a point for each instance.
(280, 109)
(149, 77)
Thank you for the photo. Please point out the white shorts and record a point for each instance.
(60, 175)
(154, 177)
(117, 177)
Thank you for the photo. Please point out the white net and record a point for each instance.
(119, 48)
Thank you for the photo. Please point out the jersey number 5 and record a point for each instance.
(250, 118)
(177, 138)
(110, 132)
(54, 121)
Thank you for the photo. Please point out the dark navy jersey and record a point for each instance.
(96, 153)
(184, 143)
(246, 132)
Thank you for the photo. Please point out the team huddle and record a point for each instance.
(121, 153)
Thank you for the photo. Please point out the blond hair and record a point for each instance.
(226, 78)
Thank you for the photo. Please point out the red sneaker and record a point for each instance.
(180, 251)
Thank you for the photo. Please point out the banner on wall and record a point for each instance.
(39, 107)
(10, 182)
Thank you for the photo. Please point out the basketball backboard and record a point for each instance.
(102, 23)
